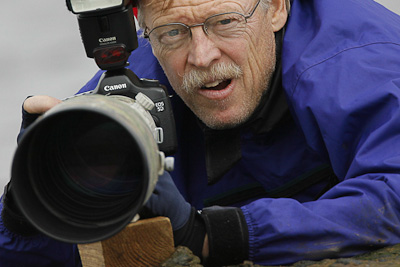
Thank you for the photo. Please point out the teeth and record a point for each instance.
(212, 84)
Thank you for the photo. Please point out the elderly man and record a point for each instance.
(287, 122)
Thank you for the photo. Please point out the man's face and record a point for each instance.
(244, 64)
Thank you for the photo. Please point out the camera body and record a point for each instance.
(124, 82)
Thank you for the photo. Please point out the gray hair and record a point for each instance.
(264, 4)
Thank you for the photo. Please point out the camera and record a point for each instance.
(108, 33)
(85, 168)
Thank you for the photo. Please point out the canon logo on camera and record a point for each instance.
(108, 88)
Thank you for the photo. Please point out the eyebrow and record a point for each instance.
(204, 16)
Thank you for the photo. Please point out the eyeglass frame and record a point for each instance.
(246, 17)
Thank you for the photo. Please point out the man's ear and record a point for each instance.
(279, 14)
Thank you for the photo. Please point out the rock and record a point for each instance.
(385, 257)
(182, 257)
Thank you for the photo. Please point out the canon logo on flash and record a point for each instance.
(107, 40)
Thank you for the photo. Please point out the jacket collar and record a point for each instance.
(223, 147)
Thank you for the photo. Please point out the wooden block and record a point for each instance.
(146, 242)
(92, 254)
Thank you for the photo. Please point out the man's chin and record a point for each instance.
(224, 123)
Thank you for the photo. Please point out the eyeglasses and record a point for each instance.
(224, 26)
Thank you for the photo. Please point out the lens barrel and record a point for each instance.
(85, 168)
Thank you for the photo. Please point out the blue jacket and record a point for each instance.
(341, 82)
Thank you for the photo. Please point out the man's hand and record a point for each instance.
(218, 235)
(167, 201)
(11, 216)
(33, 107)
(187, 224)
(39, 104)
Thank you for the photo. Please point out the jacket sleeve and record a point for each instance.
(34, 250)
(349, 111)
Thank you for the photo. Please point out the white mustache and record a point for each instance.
(197, 78)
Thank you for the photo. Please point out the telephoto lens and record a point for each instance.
(85, 168)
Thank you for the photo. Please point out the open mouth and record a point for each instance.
(217, 85)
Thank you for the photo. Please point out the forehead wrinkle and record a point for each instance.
(184, 12)
(191, 12)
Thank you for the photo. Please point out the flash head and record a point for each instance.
(107, 29)
(83, 6)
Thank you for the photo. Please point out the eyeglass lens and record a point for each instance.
(224, 26)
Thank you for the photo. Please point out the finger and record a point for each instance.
(40, 104)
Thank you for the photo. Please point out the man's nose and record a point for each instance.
(203, 51)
